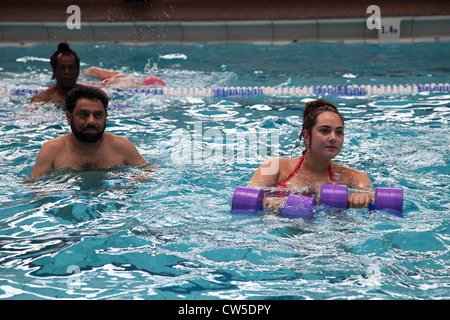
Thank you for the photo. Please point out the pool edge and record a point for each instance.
(409, 29)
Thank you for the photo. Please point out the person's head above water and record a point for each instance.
(85, 92)
(86, 112)
(311, 114)
(88, 146)
(66, 66)
(323, 135)
(65, 69)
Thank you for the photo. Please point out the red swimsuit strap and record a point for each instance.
(330, 173)
(283, 183)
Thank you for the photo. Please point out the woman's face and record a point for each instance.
(327, 136)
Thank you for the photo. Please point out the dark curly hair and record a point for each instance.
(312, 110)
(85, 92)
(63, 47)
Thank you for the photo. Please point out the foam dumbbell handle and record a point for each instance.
(247, 200)
(334, 196)
(387, 199)
(298, 206)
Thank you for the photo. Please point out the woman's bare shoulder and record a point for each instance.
(351, 177)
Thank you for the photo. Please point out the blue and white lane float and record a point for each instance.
(250, 201)
(222, 92)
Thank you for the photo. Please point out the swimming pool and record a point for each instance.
(69, 236)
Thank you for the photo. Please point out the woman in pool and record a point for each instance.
(323, 134)
(118, 79)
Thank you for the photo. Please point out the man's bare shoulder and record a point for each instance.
(115, 140)
(43, 96)
(125, 148)
(56, 144)
(47, 154)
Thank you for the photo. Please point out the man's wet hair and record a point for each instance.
(85, 92)
(63, 47)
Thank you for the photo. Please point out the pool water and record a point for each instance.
(105, 235)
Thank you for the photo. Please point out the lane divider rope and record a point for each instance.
(348, 90)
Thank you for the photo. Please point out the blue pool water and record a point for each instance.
(70, 236)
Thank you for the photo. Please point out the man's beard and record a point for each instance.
(87, 137)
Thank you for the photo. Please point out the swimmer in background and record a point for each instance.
(87, 147)
(66, 69)
(118, 79)
(323, 135)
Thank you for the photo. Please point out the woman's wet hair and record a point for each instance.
(63, 47)
(312, 110)
(85, 92)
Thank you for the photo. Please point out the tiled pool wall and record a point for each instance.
(406, 29)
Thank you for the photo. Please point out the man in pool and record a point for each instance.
(87, 147)
(66, 68)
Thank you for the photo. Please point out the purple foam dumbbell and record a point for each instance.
(333, 196)
(387, 199)
(298, 206)
(247, 200)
